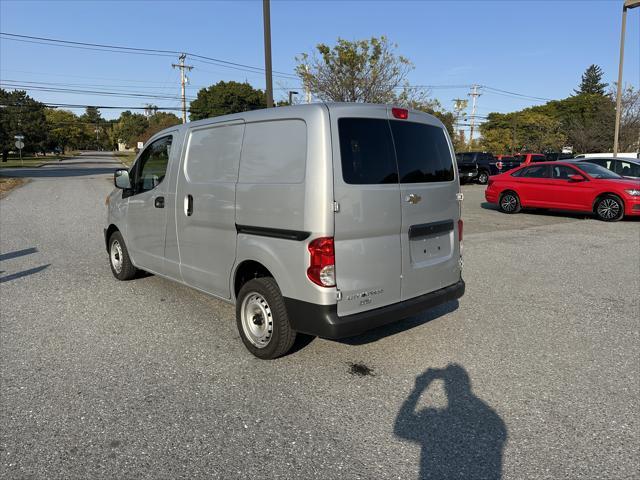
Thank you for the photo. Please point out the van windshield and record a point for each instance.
(376, 151)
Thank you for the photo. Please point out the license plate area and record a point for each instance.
(430, 243)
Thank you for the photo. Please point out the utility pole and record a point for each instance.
(627, 5)
(266, 16)
(183, 81)
(474, 95)
(291, 94)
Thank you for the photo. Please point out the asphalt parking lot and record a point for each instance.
(533, 374)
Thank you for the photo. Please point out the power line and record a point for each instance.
(498, 91)
(20, 86)
(135, 51)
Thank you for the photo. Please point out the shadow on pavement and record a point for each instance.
(401, 326)
(18, 253)
(463, 440)
(24, 273)
(542, 212)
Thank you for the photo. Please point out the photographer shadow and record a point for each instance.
(464, 440)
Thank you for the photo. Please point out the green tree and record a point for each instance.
(528, 130)
(158, 121)
(65, 129)
(21, 114)
(130, 127)
(224, 98)
(96, 129)
(592, 81)
(354, 71)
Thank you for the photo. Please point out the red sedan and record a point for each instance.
(581, 187)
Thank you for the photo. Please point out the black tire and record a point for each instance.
(483, 177)
(274, 336)
(609, 208)
(119, 260)
(509, 202)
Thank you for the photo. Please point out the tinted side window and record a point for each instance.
(562, 172)
(366, 150)
(602, 163)
(422, 151)
(538, 158)
(151, 167)
(540, 171)
(627, 169)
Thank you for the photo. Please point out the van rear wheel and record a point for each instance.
(262, 319)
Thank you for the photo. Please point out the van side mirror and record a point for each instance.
(576, 178)
(121, 179)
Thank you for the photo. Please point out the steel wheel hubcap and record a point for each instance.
(256, 319)
(509, 203)
(116, 256)
(608, 208)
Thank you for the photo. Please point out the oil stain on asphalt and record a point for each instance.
(360, 370)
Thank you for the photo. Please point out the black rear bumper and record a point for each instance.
(323, 320)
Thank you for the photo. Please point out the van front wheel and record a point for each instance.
(262, 319)
(121, 265)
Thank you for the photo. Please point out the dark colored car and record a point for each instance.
(627, 167)
(480, 166)
(527, 158)
(555, 156)
(576, 186)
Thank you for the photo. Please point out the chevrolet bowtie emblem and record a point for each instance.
(413, 198)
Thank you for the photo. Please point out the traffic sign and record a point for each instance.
(19, 144)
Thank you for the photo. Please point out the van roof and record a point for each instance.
(286, 112)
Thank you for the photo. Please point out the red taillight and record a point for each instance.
(460, 229)
(322, 261)
(401, 113)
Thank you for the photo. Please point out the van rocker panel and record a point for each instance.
(323, 320)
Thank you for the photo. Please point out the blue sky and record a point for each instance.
(538, 48)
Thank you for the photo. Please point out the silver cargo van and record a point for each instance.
(322, 219)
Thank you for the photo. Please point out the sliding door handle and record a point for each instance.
(159, 202)
(188, 205)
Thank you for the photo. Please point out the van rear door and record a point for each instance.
(396, 229)
(367, 226)
(430, 210)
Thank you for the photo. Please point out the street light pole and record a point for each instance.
(266, 16)
(627, 5)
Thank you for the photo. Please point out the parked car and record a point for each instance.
(322, 219)
(627, 167)
(577, 186)
(480, 166)
(555, 156)
(527, 158)
(609, 155)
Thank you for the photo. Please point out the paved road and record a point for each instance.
(534, 374)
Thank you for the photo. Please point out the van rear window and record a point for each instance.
(378, 151)
(366, 151)
(422, 151)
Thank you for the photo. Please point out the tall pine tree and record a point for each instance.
(592, 81)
